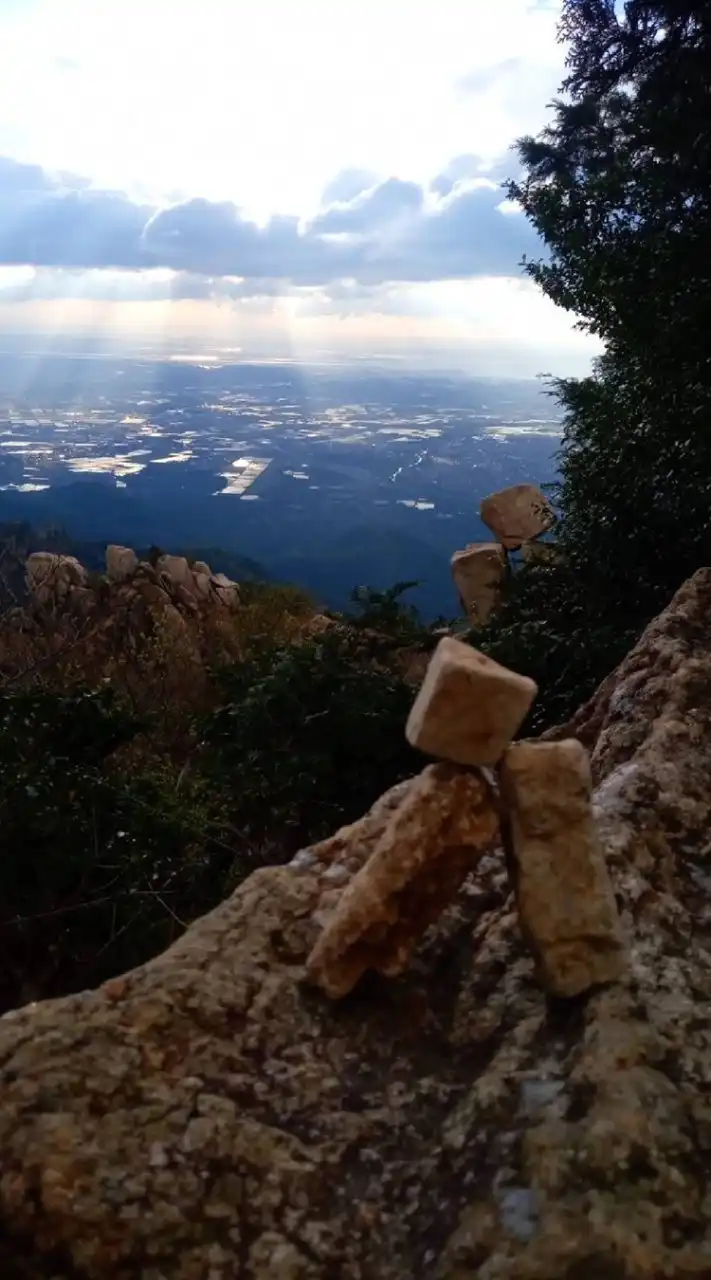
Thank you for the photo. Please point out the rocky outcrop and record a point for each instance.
(212, 1115)
(52, 577)
(517, 514)
(478, 572)
(171, 586)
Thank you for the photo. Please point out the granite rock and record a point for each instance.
(210, 1115)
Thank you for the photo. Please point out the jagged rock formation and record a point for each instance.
(54, 578)
(210, 1115)
(518, 516)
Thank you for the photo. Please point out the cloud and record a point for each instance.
(392, 230)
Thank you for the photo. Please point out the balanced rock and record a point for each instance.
(436, 835)
(478, 572)
(563, 891)
(121, 563)
(516, 514)
(469, 707)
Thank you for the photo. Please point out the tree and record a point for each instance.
(619, 188)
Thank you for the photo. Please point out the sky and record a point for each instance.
(279, 177)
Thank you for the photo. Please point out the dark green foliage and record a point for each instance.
(309, 736)
(619, 187)
(97, 872)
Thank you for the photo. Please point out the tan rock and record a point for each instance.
(199, 566)
(50, 575)
(316, 625)
(469, 707)
(202, 585)
(227, 591)
(478, 572)
(517, 514)
(176, 569)
(121, 563)
(563, 890)
(444, 824)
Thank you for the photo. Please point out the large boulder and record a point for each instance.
(478, 572)
(517, 514)
(121, 563)
(210, 1115)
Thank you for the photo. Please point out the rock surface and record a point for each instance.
(209, 1116)
(469, 707)
(478, 572)
(565, 901)
(517, 514)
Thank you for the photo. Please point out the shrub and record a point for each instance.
(99, 870)
(309, 735)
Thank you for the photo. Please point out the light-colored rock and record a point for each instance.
(478, 572)
(517, 514)
(316, 625)
(50, 576)
(563, 891)
(226, 590)
(191, 1117)
(121, 563)
(176, 569)
(444, 824)
(199, 566)
(202, 585)
(469, 707)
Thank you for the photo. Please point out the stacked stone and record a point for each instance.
(538, 802)
(517, 516)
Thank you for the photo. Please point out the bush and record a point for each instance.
(309, 736)
(99, 870)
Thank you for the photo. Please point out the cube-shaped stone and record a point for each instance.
(516, 514)
(468, 707)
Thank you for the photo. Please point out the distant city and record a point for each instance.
(329, 476)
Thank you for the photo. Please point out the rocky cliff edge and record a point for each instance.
(211, 1115)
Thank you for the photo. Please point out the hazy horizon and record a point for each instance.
(278, 178)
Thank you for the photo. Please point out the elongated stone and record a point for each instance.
(438, 832)
(478, 571)
(565, 900)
